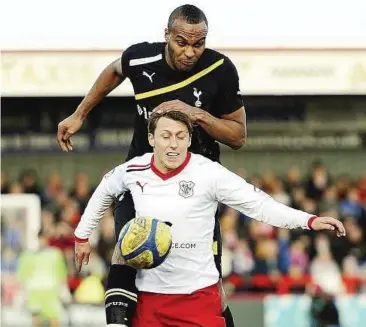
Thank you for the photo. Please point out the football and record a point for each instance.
(145, 242)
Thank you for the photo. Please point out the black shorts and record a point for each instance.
(124, 211)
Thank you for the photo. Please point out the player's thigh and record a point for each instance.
(124, 211)
(147, 311)
(199, 309)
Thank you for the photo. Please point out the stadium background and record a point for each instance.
(305, 95)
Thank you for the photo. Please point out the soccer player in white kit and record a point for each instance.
(184, 189)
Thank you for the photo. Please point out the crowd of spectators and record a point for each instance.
(256, 257)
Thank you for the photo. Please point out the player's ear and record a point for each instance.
(166, 35)
(151, 140)
(190, 140)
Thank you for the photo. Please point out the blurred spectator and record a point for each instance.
(70, 213)
(299, 259)
(53, 188)
(297, 197)
(269, 180)
(293, 179)
(329, 202)
(351, 205)
(267, 258)
(324, 269)
(8, 261)
(279, 194)
(81, 191)
(356, 242)
(350, 267)
(243, 261)
(29, 181)
(241, 258)
(16, 188)
(342, 183)
(63, 236)
(309, 205)
(318, 181)
(43, 275)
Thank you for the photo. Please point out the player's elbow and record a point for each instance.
(238, 145)
(239, 142)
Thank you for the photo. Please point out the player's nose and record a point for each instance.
(173, 143)
(189, 53)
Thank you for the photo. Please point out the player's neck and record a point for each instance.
(160, 169)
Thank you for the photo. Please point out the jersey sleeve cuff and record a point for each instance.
(80, 240)
(310, 221)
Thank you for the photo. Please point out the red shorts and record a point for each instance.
(202, 308)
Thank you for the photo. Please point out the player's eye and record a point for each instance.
(199, 44)
(165, 137)
(181, 43)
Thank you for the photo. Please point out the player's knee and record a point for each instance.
(117, 256)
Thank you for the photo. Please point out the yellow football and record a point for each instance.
(145, 242)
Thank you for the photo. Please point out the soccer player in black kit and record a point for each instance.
(179, 74)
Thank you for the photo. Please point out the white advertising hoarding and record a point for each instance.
(262, 72)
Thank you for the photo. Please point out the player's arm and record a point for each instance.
(107, 81)
(111, 186)
(230, 128)
(235, 192)
(111, 77)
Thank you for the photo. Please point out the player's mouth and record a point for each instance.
(172, 155)
(188, 64)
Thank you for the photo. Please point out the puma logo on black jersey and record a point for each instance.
(148, 76)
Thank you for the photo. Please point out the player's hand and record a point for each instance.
(82, 253)
(176, 105)
(68, 127)
(328, 223)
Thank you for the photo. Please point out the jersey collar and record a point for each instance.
(172, 173)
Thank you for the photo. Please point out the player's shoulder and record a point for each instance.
(144, 50)
(213, 56)
(201, 162)
(139, 163)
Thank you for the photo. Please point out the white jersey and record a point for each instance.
(188, 198)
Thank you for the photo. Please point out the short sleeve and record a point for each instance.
(125, 60)
(229, 98)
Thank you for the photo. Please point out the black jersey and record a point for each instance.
(212, 85)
